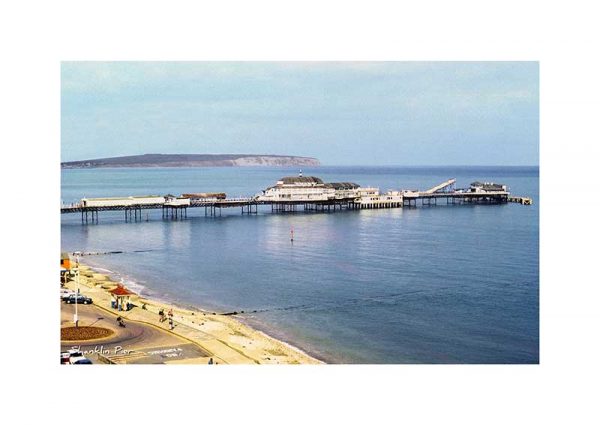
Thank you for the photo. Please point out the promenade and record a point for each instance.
(138, 342)
(198, 334)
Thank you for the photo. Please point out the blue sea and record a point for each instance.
(440, 284)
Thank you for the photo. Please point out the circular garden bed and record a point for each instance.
(83, 333)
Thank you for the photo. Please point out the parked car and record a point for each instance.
(66, 356)
(66, 293)
(80, 360)
(81, 299)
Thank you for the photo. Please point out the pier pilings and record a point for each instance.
(174, 212)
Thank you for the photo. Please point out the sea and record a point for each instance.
(444, 284)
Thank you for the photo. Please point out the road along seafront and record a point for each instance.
(222, 338)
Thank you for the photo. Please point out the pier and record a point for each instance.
(345, 197)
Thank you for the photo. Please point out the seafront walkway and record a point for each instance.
(223, 338)
(183, 327)
(136, 343)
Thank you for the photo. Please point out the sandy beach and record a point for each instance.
(226, 339)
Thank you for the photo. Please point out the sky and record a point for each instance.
(342, 113)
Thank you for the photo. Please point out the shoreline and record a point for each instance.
(231, 340)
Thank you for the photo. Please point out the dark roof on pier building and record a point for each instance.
(488, 186)
(297, 179)
(342, 185)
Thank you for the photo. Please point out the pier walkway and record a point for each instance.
(490, 194)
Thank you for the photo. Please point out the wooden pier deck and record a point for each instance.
(250, 205)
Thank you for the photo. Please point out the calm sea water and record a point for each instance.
(444, 284)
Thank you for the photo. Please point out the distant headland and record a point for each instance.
(193, 160)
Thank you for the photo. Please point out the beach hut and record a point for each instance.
(66, 264)
(65, 260)
(121, 297)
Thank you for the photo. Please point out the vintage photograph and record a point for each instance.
(292, 213)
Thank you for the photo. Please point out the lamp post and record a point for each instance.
(76, 317)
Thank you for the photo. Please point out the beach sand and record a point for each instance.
(225, 338)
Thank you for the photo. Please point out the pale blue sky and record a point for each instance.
(343, 113)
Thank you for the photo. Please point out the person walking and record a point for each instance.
(210, 361)
(171, 323)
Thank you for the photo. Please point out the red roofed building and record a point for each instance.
(121, 297)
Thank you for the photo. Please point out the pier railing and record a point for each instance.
(249, 205)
